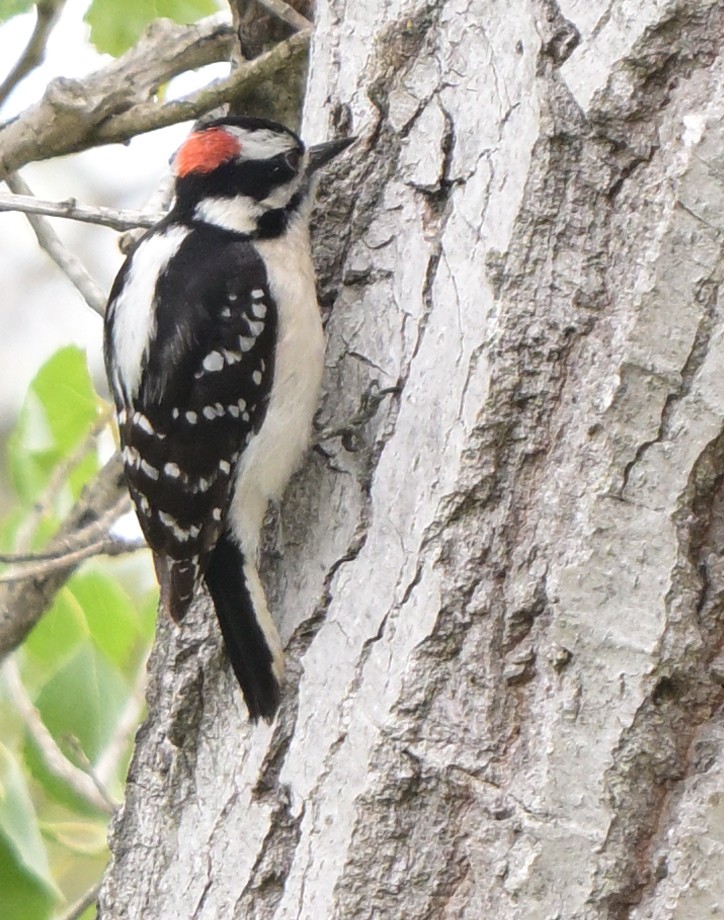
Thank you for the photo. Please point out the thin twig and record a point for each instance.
(67, 262)
(65, 120)
(98, 529)
(110, 546)
(34, 54)
(23, 603)
(77, 909)
(54, 759)
(158, 203)
(65, 548)
(287, 14)
(114, 218)
(148, 116)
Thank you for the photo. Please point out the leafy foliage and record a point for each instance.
(10, 8)
(57, 416)
(115, 26)
(79, 666)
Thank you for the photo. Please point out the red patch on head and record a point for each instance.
(205, 150)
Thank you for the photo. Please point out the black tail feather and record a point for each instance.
(250, 649)
(177, 580)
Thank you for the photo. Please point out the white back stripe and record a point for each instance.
(134, 309)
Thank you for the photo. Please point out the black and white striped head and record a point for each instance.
(248, 175)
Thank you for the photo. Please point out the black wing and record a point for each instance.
(203, 392)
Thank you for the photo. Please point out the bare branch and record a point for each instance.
(89, 533)
(287, 14)
(54, 759)
(23, 603)
(77, 909)
(158, 203)
(89, 540)
(245, 80)
(34, 54)
(68, 116)
(112, 106)
(114, 218)
(67, 262)
(27, 567)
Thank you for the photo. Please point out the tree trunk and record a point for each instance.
(498, 576)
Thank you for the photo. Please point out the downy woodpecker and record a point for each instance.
(214, 352)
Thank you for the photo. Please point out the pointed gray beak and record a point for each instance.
(321, 154)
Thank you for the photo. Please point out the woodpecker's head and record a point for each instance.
(248, 175)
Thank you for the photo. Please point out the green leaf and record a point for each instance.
(83, 700)
(30, 455)
(19, 827)
(66, 392)
(80, 705)
(59, 410)
(54, 639)
(23, 896)
(91, 606)
(82, 473)
(10, 8)
(148, 613)
(115, 26)
(113, 622)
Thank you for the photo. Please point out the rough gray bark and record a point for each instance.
(501, 585)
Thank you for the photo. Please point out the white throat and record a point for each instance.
(240, 214)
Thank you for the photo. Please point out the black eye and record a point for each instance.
(292, 159)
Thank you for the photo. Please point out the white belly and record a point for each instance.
(273, 454)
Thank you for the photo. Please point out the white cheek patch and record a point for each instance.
(239, 214)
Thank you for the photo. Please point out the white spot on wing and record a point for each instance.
(179, 532)
(191, 418)
(214, 361)
(256, 377)
(258, 309)
(149, 470)
(172, 470)
(255, 327)
(131, 456)
(225, 466)
(257, 294)
(140, 421)
(209, 412)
